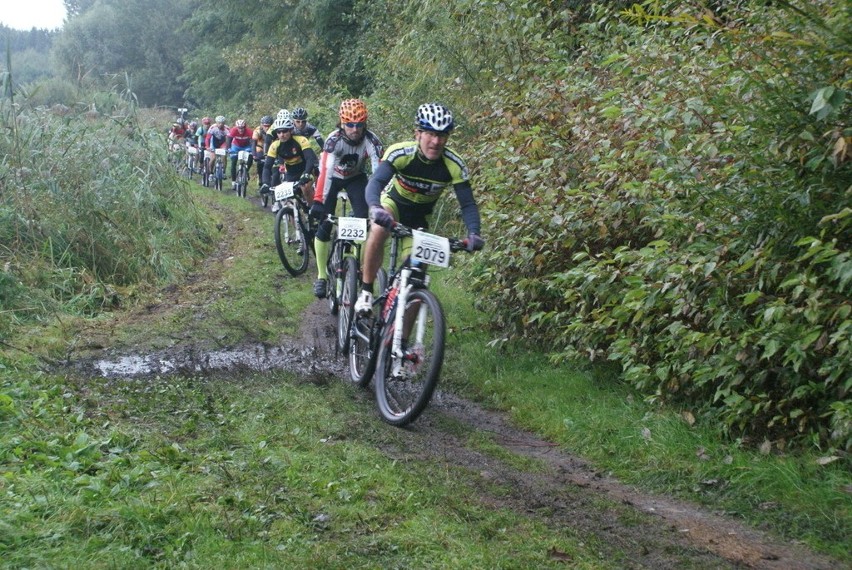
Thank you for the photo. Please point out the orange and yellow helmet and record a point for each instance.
(353, 111)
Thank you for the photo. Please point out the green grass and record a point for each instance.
(266, 471)
(589, 412)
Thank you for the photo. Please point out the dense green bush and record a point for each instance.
(676, 199)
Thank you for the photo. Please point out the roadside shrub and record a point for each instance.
(676, 200)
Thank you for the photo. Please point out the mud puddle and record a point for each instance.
(197, 361)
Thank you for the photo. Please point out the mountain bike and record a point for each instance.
(219, 168)
(294, 228)
(205, 170)
(177, 152)
(191, 166)
(344, 272)
(242, 172)
(350, 233)
(401, 344)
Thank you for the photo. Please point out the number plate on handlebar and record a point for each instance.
(243, 156)
(354, 229)
(220, 152)
(284, 191)
(431, 249)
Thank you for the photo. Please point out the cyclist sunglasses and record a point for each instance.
(354, 125)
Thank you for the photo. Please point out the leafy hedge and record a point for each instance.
(676, 199)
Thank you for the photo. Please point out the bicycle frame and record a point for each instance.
(403, 345)
(242, 173)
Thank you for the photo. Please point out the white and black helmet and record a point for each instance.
(282, 123)
(283, 114)
(434, 117)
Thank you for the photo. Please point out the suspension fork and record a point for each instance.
(399, 316)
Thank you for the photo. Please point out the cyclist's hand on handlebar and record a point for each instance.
(474, 242)
(381, 216)
(305, 179)
(317, 210)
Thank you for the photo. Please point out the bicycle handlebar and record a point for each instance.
(399, 230)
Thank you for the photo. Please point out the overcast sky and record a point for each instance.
(28, 14)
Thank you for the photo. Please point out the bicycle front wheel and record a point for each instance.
(242, 182)
(404, 384)
(363, 344)
(218, 176)
(346, 308)
(290, 240)
(334, 266)
(205, 173)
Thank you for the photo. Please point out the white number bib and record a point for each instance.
(283, 191)
(354, 229)
(220, 152)
(431, 249)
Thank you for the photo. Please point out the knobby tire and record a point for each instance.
(402, 398)
(348, 296)
(290, 239)
(335, 263)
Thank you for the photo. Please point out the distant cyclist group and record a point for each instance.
(397, 185)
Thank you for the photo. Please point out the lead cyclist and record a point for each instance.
(406, 185)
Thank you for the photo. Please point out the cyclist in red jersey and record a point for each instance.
(239, 138)
(216, 137)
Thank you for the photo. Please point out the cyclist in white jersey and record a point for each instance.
(343, 165)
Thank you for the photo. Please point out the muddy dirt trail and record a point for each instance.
(567, 493)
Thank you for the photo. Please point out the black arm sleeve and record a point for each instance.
(469, 209)
(267, 170)
(377, 182)
(311, 160)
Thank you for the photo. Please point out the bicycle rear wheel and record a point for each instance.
(381, 279)
(348, 296)
(405, 385)
(290, 240)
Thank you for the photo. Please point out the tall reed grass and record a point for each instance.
(88, 205)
